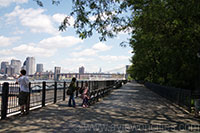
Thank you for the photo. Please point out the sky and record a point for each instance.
(27, 30)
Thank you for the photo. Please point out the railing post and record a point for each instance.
(97, 84)
(89, 85)
(55, 93)
(81, 84)
(77, 89)
(29, 98)
(43, 93)
(64, 91)
(4, 100)
(190, 106)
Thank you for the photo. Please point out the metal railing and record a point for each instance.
(181, 97)
(43, 93)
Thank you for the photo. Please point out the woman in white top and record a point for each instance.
(24, 95)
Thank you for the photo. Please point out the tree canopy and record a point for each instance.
(165, 35)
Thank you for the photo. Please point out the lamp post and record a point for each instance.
(197, 99)
(198, 54)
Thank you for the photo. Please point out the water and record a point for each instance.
(32, 81)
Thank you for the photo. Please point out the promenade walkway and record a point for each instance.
(131, 108)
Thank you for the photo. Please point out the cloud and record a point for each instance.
(6, 41)
(78, 48)
(8, 59)
(45, 48)
(33, 51)
(75, 60)
(60, 17)
(5, 3)
(101, 47)
(74, 63)
(35, 19)
(85, 52)
(29, 49)
(96, 48)
(18, 31)
(130, 51)
(110, 58)
(6, 52)
(59, 42)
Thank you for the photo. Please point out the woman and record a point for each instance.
(85, 95)
(72, 88)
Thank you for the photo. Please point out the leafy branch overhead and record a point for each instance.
(165, 35)
(103, 16)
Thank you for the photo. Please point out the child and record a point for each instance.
(85, 95)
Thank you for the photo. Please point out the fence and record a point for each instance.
(43, 93)
(182, 97)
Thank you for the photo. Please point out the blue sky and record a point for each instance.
(30, 30)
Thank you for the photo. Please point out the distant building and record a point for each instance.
(100, 70)
(10, 70)
(81, 70)
(30, 65)
(24, 65)
(17, 66)
(4, 64)
(39, 68)
(57, 71)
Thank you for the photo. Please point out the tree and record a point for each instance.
(165, 35)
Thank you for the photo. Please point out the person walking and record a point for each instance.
(71, 90)
(24, 94)
(85, 95)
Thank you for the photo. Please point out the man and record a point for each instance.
(24, 95)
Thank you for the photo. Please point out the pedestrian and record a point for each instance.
(24, 94)
(71, 90)
(85, 95)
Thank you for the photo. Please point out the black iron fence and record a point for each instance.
(43, 93)
(179, 96)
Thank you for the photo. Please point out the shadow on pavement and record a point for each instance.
(132, 108)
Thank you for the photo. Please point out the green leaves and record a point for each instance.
(165, 35)
(165, 42)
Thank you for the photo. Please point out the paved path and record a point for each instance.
(132, 108)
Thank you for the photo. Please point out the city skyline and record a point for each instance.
(36, 68)
(29, 30)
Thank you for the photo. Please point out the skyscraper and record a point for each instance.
(57, 71)
(3, 67)
(24, 65)
(30, 65)
(39, 68)
(81, 70)
(16, 64)
(10, 70)
(100, 70)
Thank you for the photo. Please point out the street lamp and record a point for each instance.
(198, 54)
(197, 101)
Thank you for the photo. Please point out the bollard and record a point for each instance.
(55, 93)
(43, 93)
(4, 100)
(77, 89)
(64, 91)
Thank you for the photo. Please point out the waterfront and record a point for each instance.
(32, 81)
